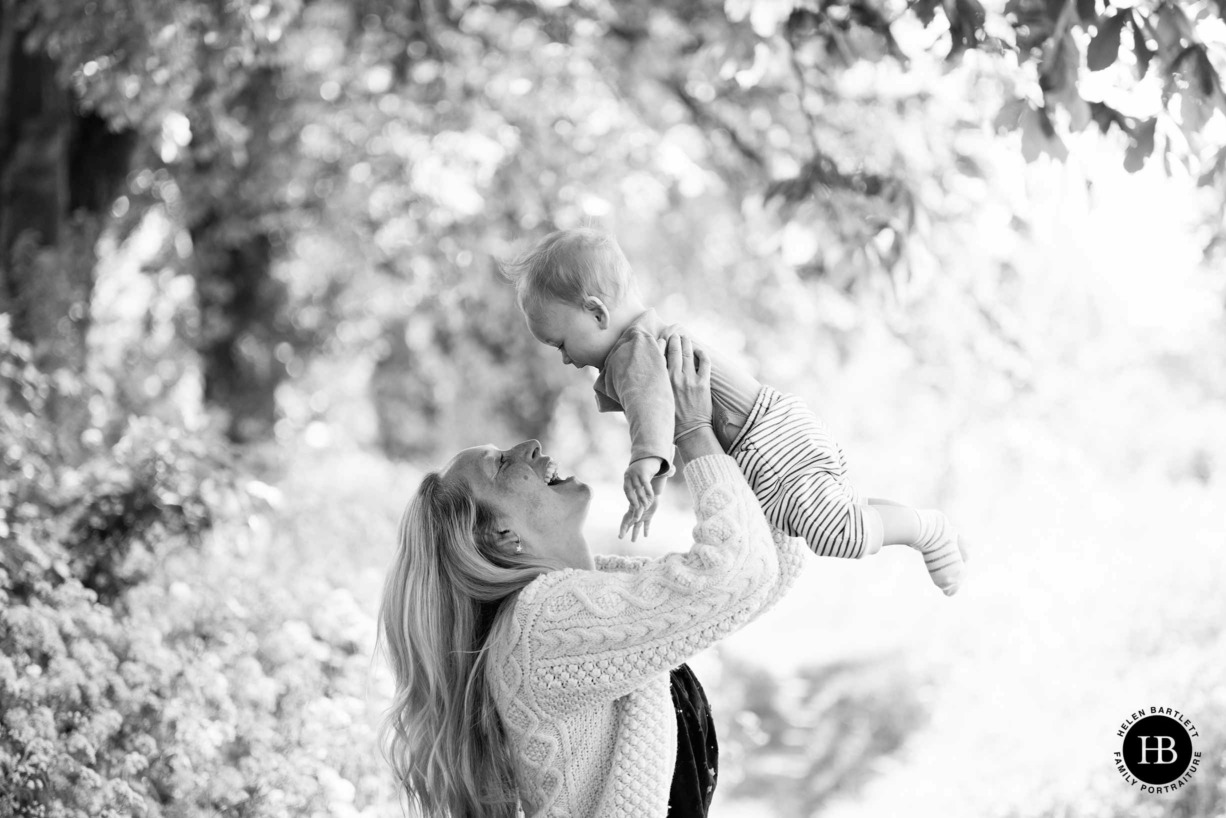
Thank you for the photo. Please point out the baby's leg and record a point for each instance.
(927, 531)
(797, 472)
(817, 505)
(799, 475)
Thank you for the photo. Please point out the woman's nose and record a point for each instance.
(528, 449)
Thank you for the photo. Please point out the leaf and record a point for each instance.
(1059, 70)
(966, 19)
(1198, 87)
(1038, 136)
(1140, 46)
(1216, 169)
(1104, 115)
(1032, 136)
(1010, 116)
(1171, 29)
(1194, 112)
(1105, 47)
(925, 10)
(1209, 80)
(1059, 83)
(1078, 110)
(1141, 145)
(1031, 21)
(972, 12)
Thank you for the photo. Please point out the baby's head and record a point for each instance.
(577, 291)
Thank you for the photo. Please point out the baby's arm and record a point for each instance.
(644, 488)
(638, 378)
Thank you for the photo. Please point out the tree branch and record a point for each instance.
(709, 119)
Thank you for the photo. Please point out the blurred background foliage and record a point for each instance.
(249, 291)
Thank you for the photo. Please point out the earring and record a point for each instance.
(519, 548)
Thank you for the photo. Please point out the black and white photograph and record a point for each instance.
(612, 408)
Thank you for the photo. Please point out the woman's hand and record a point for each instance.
(689, 371)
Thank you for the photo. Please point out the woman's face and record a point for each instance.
(528, 497)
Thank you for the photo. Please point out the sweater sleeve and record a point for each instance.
(593, 636)
(636, 374)
(619, 562)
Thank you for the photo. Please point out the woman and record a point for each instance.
(529, 673)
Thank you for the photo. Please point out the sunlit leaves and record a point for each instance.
(925, 10)
(1105, 116)
(1171, 29)
(1031, 22)
(966, 19)
(1140, 45)
(1049, 36)
(1193, 76)
(1140, 146)
(1105, 46)
(1059, 81)
(415, 145)
(1039, 135)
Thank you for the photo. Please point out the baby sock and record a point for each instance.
(938, 542)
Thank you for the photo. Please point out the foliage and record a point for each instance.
(200, 702)
(349, 173)
(381, 157)
(815, 735)
(141, 674)
(1204, 794)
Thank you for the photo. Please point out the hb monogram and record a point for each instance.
(1165, 744)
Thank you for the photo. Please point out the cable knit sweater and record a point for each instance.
(579, 661)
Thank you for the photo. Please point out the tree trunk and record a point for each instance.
(242, 307)
(239, 303)
(59, 172)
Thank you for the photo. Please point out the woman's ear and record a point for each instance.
(507, 541)
(596, 308)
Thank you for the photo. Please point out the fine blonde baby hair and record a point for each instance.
(568, 265)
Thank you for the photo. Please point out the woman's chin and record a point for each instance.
(579, 488)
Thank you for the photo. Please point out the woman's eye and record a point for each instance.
(502, 460)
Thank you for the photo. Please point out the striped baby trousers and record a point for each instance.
(799, 475)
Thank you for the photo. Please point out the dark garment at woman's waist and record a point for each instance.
(697, 750)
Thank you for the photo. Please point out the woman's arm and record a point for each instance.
(586, 636)
(594, 636)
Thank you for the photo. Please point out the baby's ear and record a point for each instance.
(596, 308)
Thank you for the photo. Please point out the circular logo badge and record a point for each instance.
(1157, 753)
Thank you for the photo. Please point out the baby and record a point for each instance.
(577, 291)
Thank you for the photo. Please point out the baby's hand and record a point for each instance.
(637, 485)
(644, 523)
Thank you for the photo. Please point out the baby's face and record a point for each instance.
(574, 331)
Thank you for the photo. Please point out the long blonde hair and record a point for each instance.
(442, 735)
